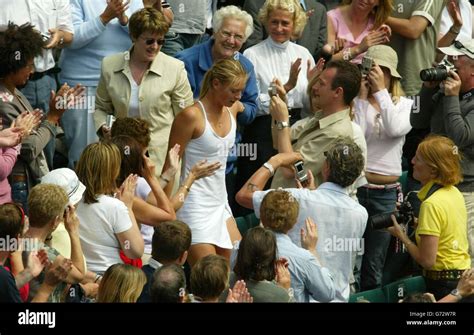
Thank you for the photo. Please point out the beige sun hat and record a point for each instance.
(385, 56)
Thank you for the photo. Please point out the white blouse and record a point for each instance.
(384, 132)
(273, 60)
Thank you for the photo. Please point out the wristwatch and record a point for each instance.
(456, 293)
(282, 124)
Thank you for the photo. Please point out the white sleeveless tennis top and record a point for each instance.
(206, 208)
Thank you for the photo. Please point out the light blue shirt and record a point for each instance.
(341, 222)
(309, 280)
(81, 61)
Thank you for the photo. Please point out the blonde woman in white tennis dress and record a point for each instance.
(206, 131)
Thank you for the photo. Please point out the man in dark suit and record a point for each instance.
(314, 35)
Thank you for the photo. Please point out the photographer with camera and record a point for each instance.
(441, 243)
(447, 104)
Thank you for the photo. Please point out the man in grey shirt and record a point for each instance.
(189, 24)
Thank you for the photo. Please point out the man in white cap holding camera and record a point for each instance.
(449, 108)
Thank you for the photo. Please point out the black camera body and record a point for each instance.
(405, 215)
(438, 73)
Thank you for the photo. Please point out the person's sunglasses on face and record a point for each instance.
(150, 41)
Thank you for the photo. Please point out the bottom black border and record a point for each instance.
(377, 318)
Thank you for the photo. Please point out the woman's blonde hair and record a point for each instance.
(380, 12)
(98, 169)
(396, 89)
(121, 283)
(443, 157)
(227, 71)
(292, 6)
(45, 203)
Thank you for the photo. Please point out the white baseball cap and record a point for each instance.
(68, 180)
(460, 48)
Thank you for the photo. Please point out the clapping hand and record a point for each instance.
(27, 121)
(66, 97)
(315, 70)
(126, 193)
(239, 293)
(37, 260)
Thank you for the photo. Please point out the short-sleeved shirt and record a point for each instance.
(190, 16)
(100, 223)
(444, 215)
(419, 54)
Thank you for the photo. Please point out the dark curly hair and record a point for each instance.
(345, 161)
(137, 128)
(18, 46)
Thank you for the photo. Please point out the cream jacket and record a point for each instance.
(163, 93)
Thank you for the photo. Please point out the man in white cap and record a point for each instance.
(448, 106)
(67, 179)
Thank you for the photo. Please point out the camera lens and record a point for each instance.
(434, 74)
(384, 220)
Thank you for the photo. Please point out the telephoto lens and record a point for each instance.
(434, 74)
(384, 220)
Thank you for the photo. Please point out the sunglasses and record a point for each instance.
(150, 41)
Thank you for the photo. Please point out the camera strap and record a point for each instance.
(432, 190)
(467, 94)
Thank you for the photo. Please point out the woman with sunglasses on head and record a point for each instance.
(144, 82)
